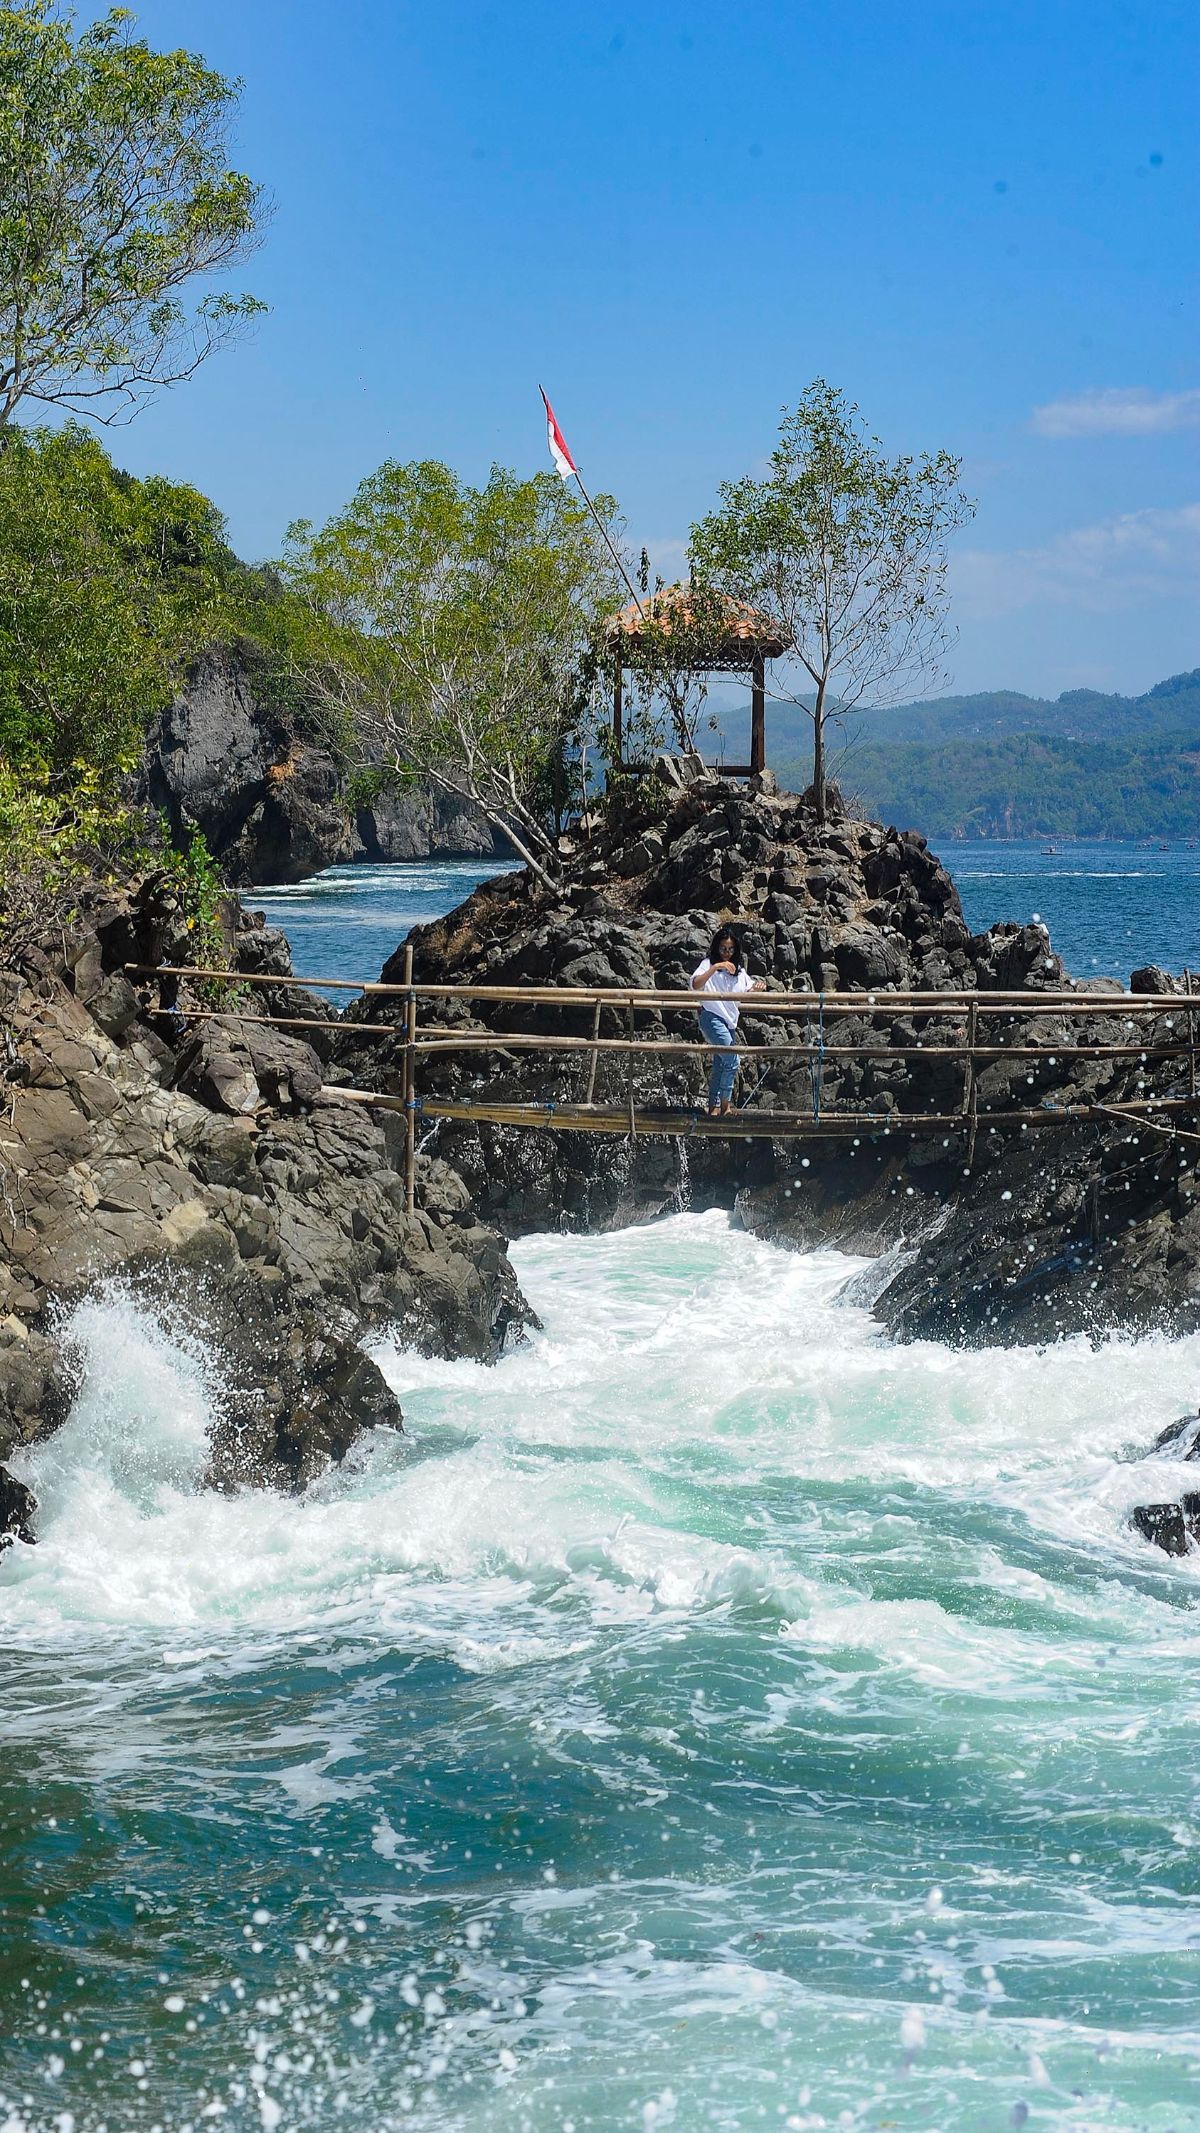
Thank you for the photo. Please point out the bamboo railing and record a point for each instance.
(963, 1007)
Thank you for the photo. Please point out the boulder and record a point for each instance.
(1173, 1527)
(18, 1508)
(1150, 978)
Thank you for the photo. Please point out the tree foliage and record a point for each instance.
(106, 585)
(846, 548)
(53, 841)
(115, 194)
(451, 627)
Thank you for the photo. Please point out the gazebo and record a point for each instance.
(733, 638)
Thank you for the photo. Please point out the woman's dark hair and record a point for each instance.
(726, 933)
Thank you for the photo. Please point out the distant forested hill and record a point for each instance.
(1032, 785)
(1004, 765)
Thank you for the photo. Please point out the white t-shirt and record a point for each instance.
(719, 981)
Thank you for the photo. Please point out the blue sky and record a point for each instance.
(675, 217)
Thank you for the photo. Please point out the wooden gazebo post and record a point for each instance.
(618, 714)
(758, 714)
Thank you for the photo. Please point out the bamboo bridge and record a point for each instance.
(960, 1025)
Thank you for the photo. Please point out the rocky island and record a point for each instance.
(228, 756)
(1082, 1225)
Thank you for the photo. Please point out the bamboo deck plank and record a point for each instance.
(567, 1117)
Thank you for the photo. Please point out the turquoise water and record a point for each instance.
(710, 1717)
(346, 922)
(1109, 907)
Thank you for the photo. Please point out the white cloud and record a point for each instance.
(1118, 411)
(1121, 562)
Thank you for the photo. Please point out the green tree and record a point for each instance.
(115, 193)
(846, 548)
(451, 629)
(107, 584)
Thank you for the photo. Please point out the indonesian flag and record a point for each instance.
(557, 442)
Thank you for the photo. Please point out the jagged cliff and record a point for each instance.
(270, 799)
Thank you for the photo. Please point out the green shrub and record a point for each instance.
(53, 841)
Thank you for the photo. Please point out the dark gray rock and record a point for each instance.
(207, 1164)
(1032, 1233)
(222, 761)
(270, 797)
(1173, 1527)
(1150, 978)
(35, 1388)
(18, 1508)
(423, 825)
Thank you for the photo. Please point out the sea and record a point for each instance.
(1110, 907)
(710, 1716)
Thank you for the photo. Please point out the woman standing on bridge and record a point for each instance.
(722, 972)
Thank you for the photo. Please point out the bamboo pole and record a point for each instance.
(769, 1125)
(518, 1041)
(594, 1061)
(877, 1003)
(1187, 979)
(487, 1040)
(410, 1089)
(632, 1051)
(970, 1106)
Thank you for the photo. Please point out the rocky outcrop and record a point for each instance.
(1022, 1235)
(1174, 1526)
(272, 801)
(18, 1510)
(206, 1167)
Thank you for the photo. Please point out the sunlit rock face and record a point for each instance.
(231, 759)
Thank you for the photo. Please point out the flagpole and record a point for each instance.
(603, 529)
(608, 544)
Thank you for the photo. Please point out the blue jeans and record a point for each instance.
(715, 1030)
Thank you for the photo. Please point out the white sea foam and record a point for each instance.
(692, 1430)
(714, 1557)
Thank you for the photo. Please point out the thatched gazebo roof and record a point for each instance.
(733, 635)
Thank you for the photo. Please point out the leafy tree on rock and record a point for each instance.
(451, 633)
(846, 548)
(115, 193)
(107, 585)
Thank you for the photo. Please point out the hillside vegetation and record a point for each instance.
(1034, 785)
(999, 764)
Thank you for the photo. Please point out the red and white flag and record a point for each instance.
(557, 442)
